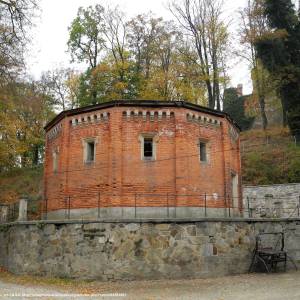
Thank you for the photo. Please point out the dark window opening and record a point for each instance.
(90, 157)
(148, 147)
(203, 152)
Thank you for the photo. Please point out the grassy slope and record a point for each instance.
(269, 157)
(19, 182)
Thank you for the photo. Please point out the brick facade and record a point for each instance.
(119, 177)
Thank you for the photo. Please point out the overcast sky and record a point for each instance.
(49, 47)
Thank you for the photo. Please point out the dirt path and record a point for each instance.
(285, 286)
(18, 292)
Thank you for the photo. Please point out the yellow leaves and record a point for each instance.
(120, 86)
(273, 35)
(251, 105)
(22, 116)
(101, 68)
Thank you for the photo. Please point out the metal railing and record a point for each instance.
(151, 205)
(11, 212)
(168, 205)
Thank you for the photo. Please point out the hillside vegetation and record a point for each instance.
(269, 157)
(21, 182)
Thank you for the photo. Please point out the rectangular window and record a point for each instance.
(148, 148)
(55, 160)
(203, 151)
(90, 151)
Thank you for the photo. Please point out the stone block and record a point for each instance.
(162, 227)
(22, 210)
(208, 249)
(49, 229)
(132, 227)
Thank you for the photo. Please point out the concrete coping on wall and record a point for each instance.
(270, 185)
(154, 221)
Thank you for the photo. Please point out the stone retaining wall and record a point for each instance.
(277, 200)
(132, 250)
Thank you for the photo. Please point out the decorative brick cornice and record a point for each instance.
(234, 135)
(90, 119)
(151, 115)
(201, 119)
(54, 132)
(139, 104)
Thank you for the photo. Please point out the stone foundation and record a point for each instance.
(139, 212)
(136, 250)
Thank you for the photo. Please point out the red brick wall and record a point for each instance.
(119, 177)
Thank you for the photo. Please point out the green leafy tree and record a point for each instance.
(166, 68)
(86, 39)
(279, 52)
(24, 111)
(235, 107)
(105, 84)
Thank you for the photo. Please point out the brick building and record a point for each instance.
(142, 158)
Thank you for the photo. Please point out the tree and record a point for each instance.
(279, 53)
(142, 35)
(158, 68)
(20, 118)
(100, 33)
(104, 83)
(140, 59)
(86, 39)
(72, 84)
(163, 71)
(234, 106)
(15, 19)
(24, 111)
(188, 86)
(61, 86)
(201, 21)
(17, 15)
(253, 26)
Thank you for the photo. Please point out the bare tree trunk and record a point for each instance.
(202, 19)
(260, 83)
(35, 155)
(261, 100)
(94, 92)
(211, 101)
(284, 115)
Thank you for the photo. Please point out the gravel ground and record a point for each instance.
(281, 286)
(20, 292)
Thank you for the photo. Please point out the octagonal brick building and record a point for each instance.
(134, 159)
